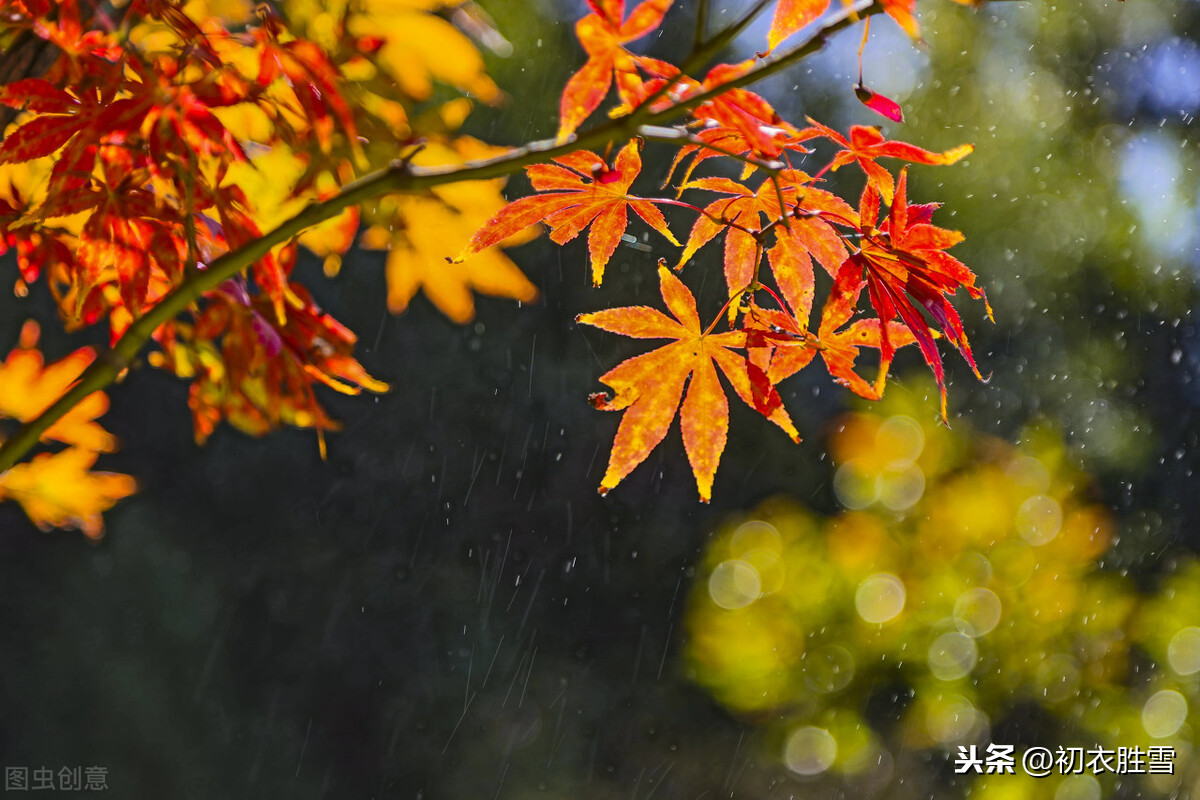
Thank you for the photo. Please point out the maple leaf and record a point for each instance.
(878, 103)
(791, 16)
(779, 339)
(576, 191)
(28, 386)
(258, 372)
(59, 490)
(716, 141)
(766, 133)
(905, 266)
(746, 122)
(281, 186)
(603, 34)
(417, 45)
(417, 230)
(648, 388)
(314, 78)
(808, 235)
(902, 12)
(867, 143)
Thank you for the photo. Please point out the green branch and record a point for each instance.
(401, 176)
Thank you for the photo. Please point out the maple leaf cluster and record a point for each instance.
(163, 135)
(776, 233)
(155, 149)
(122, 182)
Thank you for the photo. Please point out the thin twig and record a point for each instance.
(702, 51)
(783, 212)
(727, 34)
(701, 25)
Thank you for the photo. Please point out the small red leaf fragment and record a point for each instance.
(879, 104)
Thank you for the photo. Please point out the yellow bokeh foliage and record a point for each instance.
(964, 579)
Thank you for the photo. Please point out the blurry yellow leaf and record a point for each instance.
(420, 47)
(28, 387)
(424, 231)
(232, 12)
(57, 490)
(269, 180)
(417, 261)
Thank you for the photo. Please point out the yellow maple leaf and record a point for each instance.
(421, 47)
(420, 232)
(58, 490)
(28, 387)
(269, 180)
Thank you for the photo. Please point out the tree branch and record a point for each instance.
(399, 177)
(726, 35)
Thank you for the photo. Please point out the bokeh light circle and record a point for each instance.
(810, 751)
(1039, 519)
(734, 584)
(900, 439)
(880, 598)
(952, 656)
(828, 668)
(900, 489)
(769, 566)
(856, 485)
(1058, 678)
(952, 719)
(1164, 713)
(977, 612)
(755, 535)
(1183, 652)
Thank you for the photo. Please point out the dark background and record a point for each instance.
(446, 608)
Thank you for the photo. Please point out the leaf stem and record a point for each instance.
(704, 212)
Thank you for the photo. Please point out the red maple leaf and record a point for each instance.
(906, 271)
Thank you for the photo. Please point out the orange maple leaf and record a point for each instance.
(867, 143)
(416, 229)
(603, 35)
(791, 16)
(806, 236)
(578, 190)
(751, 119)
(902, 12)
(778, 339)
(649, 387)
